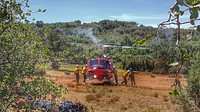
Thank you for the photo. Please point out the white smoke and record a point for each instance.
(166, 32)
(169, 33)
(88, 32)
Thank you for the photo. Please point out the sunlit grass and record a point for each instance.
(62, 66)
(43, 66)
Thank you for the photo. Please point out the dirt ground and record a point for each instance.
(149, 95)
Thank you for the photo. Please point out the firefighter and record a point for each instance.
(84, 71)
(76, 72)
(177, 81)
(132, 77)
(115, 75)
(124, 76)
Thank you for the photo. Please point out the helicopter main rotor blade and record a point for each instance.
(125, 47)
(112, 46)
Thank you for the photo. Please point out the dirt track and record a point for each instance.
(149, 95)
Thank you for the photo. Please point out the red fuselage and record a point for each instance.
(99, 68)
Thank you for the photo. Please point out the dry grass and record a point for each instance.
(124, 107)
(79, 84)
(99, 95)
(155, 95)
(150, 94)
(93, 97)
(165, 98)
(78, 90)
(152, 109)
(114, 99)
(71, 85)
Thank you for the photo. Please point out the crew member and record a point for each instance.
(132, 77)
(76, 72)
(115, 75)
(177, 81)
(84, 71)
(124, 76)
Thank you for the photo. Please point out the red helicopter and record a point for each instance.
(100, 68)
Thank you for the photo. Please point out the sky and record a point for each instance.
(146, 12)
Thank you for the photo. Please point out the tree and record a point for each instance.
(189, 98)
(56, 44)
(21, 48)
(177, 10)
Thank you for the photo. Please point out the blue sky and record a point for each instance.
(146, 12)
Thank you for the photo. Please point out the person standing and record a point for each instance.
(76, 72)
(84, 71)
(115, 75)
(177, 81)
(132, 77)
(124, 76)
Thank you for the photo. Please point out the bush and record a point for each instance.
(155, 94)
(114, 99)
(98, 90)
(92, 97)
(189, 97)
(152, 109)
(165, 98)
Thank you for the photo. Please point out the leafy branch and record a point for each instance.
(178, 9)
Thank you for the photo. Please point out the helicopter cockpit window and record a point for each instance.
(98, 67)
(93, 62)
(104, 63)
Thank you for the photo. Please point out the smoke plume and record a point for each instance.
(88, 32)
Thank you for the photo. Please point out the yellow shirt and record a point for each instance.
(125, 74)
(76, 70)
(84, 70)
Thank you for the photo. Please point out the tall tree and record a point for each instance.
(20, 50)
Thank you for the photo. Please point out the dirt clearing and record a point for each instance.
(149, 95)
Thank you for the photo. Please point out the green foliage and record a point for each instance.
(175, 92)
(198, 28)
(117, 33)
(21, 49)
(194, 80)
(192, 6)
(189, 97)
(140, 42)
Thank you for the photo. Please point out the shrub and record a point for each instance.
(165, 98)
(155, 95)
(152, 109)
(98, 90)
(189, 97)
(92, 97)
(114, 99)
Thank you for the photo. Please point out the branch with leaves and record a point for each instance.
(177, 11)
